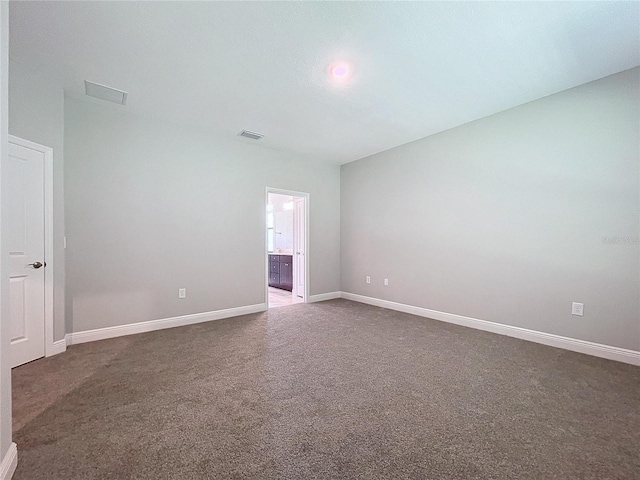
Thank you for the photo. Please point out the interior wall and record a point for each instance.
(152, 207)
(510, 218)
(36, 113)
(283, 223)
(5, 327)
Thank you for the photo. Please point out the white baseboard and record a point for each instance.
(59, 346)
(573, 344)
(9, 463)
(321, 297)
(152, 325)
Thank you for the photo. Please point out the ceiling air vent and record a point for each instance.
(105, 93)
(251, 135)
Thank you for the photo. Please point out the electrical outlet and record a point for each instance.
(367, 279)
(386, 282)
(182, 293)
(577, 309)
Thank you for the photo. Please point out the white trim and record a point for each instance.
(152, 325)
(47, 152)
(59, 346)
(9, 463)
(291, 193)
(321, 297)
(582, 346)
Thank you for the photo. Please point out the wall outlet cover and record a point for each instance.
(577, 309)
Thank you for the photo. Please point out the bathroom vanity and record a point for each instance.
(281, 271)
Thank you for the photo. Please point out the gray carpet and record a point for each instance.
(329, 390)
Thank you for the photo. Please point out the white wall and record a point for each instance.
(151, 208)
(5, 333)
(283, 223)
(36, 113)
(509, 218)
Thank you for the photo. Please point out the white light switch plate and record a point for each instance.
(182, 293)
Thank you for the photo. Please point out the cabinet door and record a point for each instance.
(286, 274)
(274, 280)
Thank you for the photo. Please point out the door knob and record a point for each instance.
(35, 265)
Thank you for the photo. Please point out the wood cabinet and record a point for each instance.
(286, 273)
(281, 271)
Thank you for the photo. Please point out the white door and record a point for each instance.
(26, 243)
(299, 246)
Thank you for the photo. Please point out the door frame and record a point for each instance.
(291, 193)
(48, 238)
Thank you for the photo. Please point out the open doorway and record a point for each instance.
(286, 252)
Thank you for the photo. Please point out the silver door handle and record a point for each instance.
(36, 265)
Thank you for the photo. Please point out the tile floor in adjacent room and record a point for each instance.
(282, 298)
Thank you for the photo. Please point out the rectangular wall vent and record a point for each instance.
(105, 93)
(251, 135)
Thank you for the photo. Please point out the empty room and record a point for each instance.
(309, 240)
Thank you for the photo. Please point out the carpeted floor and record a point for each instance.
(328, 390)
